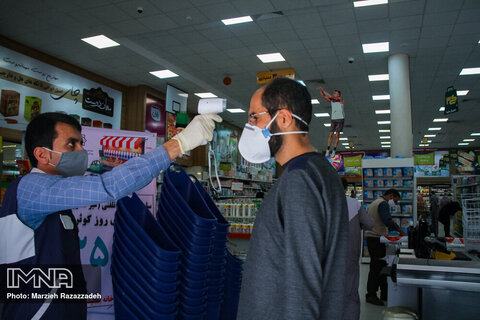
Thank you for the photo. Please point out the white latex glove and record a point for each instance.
(199, 130)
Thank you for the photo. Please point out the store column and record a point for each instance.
(400, 106)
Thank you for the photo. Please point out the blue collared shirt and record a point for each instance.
(41, 194)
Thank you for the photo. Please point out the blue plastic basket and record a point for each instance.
(192, 301)
(147, 229)
(192, 292)
(186, 316)
(152, 281)
(193, 309)
(139, 304)
(194, 275)
(123, 238)
(126, 280)
(184, 190)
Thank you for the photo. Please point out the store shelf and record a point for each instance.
(388, 178)
(386, 188)
(244, 179)
(402, 215)
(468, 185)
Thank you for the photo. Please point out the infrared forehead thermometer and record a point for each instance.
(212, 105)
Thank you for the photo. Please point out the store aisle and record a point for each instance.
(367, 311)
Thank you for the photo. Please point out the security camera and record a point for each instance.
(351, 60)
(139, 9)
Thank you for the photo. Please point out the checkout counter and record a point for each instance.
(447, 287)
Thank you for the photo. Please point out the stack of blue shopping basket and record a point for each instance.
(233, 282)
(145, 265)
(177, 267)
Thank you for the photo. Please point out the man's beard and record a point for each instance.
(275, 142)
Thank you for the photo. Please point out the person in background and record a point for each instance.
(295, 267)
(445, 200)
(445, 213)
(37, 227)
(379, 210)
(337, 117)
(358, 220)
(434, 207)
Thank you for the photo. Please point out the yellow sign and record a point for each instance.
(264, 77)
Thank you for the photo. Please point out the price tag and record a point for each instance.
(237, 186)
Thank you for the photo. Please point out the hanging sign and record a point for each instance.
(264, 77)
(451, 100)
(352, 161)
(421, 159)
(351, 144)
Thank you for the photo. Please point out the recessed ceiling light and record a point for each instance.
(163, 74)
(381, 97)
(440, 120)
(386, 146)
(462, 92)
(434, 129)
(236, 110)
(341, 132)
(270, 57)
(327, 124)
(237, 20)
(366, 3)
(430, 135)
(468, 140)
(423, 145)
(384, 122)
(384, 130)
(205, 95)
(463, 144)
(441, 109)
(315, 101)
(321, 115)
(469, 71)
(385, 142)
(344, 143)
(378, 77)
(101, 42)
(343, 139)
(384, 137)
(475, 134)
(375, 47)
(386, 111)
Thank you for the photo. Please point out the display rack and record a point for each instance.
(380, 175)
(464, 187)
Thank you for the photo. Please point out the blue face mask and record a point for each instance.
(73, 163)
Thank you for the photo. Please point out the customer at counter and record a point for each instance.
(37, 227)
(379, 210)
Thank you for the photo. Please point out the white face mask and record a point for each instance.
(253, 144)
(391, 203)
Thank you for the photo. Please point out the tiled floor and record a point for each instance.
(367, 311)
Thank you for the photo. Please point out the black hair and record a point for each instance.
(393, 192)
(345, 184)
(41, 131)
(339, 92)
(284, 93)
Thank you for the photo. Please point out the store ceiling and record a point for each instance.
(316, 37)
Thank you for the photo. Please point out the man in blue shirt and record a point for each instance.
(379, 210)
(37, 227)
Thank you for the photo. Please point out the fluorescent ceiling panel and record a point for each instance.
(475, 134)
(386, 146)
(385, 142)
(468, 140)
(440, 120)
(237, 20)
(321, 115)
(384, 122)
(430, 135)
(384, 130)
(469, 71)
(343, 139)
(101, 42)
(236, 110)
(270, 57)
(462, 92)
(376, 47)
(378, 77)
(385, 111)
(381, 97)
(327, 124)
(163, 74)
(315, 101)
(463, 144)
(434, 129)
(384, 137)
(441, 109)
(205, 95)
(366, 3)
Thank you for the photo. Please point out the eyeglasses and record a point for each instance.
(253, 117)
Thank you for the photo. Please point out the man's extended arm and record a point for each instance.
(327, 96)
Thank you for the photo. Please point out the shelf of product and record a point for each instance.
(241, 214)
(464, 188)
(380, 175)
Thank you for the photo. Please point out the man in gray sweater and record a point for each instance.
(296, 261)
